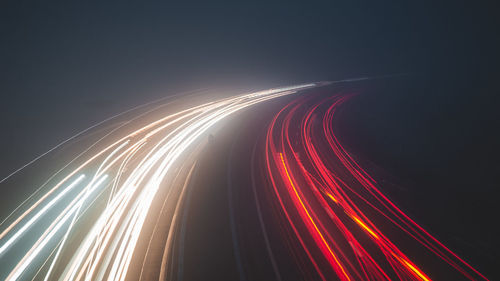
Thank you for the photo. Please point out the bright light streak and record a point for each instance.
(109, 244)
(116, 232)
(331, 197)
(365, 227)
(315, 230)
(39, 214)
(16, 273)
(414, 269)
(295, 153)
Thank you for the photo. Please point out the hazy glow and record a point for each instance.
(109, 245)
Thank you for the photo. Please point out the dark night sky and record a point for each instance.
(65, 65)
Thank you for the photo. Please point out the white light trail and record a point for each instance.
(106, 250)
(16, 273)
(39, 214)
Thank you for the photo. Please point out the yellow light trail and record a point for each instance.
(365, 227)
(414, 269)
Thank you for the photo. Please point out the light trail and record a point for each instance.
(40, 213)
(331, 203)
(109, 239)
(314, 230)
(14, 275)
(332, 206)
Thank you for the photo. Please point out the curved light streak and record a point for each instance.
(107, 248)
(331, 204)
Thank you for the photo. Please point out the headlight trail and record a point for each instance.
(39, 214)
(39, 246)
(334, 207)
(119, 206)
(130, 171)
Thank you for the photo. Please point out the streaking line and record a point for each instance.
(16, 273)
(39, 214)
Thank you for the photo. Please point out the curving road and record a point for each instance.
(172, 191)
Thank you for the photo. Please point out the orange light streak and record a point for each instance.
(311, 220)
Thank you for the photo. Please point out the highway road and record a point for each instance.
(255, 186)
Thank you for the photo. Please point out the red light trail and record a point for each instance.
(118, 210)
(335, 208)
